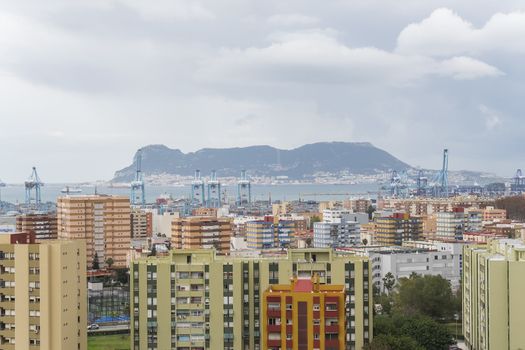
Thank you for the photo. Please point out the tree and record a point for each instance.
(313, 220)
(427, 332)
(389, 281)
(109, 262)
(308, 242)
(370, 210)
(365, 241)
(425, 295)
(96, 263)
(406, 332)
(391, 342)
(515, 207)
(122, 276)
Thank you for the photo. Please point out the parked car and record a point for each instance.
(93, 326)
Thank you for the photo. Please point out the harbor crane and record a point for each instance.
(197, 189)
(33, 184)
(441, 188)
(138, 193)
(244, 189)
(214, 191)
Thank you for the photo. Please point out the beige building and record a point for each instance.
(493, 290)
(43, 225)
(102, 221)
(42, 294)
(197, 232)
(397, 228)
(493, 214)
(194, 299)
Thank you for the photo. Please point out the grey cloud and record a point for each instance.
(219, 73)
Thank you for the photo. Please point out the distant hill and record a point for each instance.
(298, 163)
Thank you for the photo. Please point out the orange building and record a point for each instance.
(204, 211)
(196, 232)
(493, 214)
(102, 221)
(304, 315)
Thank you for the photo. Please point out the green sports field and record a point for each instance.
(109, 342)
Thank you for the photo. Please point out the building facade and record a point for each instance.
(397, 228)
(198, 232)
(304, 315)
(43, 225)
(141, 223)
(102, 221)
(493, 289)
(269, 233)
(445, 261)
(194, 299)
(338, 233)
(42, 293)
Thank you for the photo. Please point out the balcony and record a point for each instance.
(274, 328)
(331, 329)
(274, 313)
(274, 343)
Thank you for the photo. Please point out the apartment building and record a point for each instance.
(453, 224)
(141, 223)
(492, 214)
(397, 228)
(269, 233)
(304, 315)
(336, 234)
(194, 299)
(493, 289)
(197, 232)
(444, 260)
(102, 221)
(44, 225)
(42, 293)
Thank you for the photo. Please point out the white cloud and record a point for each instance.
(492, 117)
(467, 68)
(292, 19)
(185, 10)
(445, 33)
(317, 56)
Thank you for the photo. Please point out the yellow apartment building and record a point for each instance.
(196, 300)
(42, 293)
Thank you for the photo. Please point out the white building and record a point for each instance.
(336, 234)
(445, 260)
(452, 225)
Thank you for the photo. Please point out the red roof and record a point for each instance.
(303, 285)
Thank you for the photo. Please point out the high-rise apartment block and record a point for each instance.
(102, 221)
(44, 225)
(397, 228)
(493, 290)
(141, 223)
(267, 233)
(198, 232)
(194, 299)
(453, 224)
(337, 234)
(42, 293)
(304, 315)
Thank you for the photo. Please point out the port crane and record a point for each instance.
(441, 188)
(244, 189)
(33, 184)
(138, 195)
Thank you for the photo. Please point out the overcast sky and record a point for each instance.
(83, 84)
